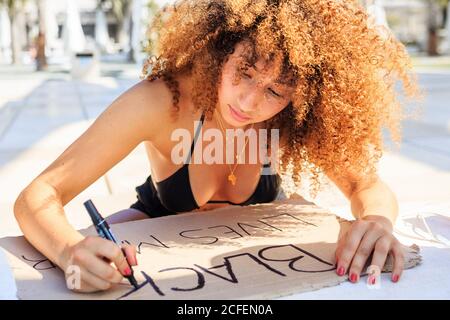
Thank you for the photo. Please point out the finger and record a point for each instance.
(90, 282)
(100, 268)
(350, 246)
(85, 288)
(109, 250)
(399, 261)
(339, 247)
(364, 250)
(94, 281)
(130, 253)
(382, 248)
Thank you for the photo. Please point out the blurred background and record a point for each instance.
(62, 62)
(47, 32)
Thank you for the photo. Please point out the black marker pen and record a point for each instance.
(104, 231)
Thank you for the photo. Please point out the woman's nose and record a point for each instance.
(248, 101)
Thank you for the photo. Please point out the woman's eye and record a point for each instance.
(274, 93)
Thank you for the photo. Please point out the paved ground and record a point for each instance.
(41, 114)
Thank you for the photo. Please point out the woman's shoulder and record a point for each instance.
(153, 96)
(151, 101)
(158, 97)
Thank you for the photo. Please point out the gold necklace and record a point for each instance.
(231, 177)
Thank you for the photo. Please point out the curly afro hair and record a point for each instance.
(342, 68)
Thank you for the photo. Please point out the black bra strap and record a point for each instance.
(197, 133)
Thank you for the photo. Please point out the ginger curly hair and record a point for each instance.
(342, 68)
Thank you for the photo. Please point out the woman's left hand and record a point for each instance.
(369, 234)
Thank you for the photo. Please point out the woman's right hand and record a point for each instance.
(98, 264)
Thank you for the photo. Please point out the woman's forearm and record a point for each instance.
(376, 200)
(41, 217)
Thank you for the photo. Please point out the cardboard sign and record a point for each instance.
(256, 252)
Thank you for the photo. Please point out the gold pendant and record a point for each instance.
(232, 178)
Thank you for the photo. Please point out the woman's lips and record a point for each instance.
(237, 115)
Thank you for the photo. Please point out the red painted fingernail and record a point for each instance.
(127, 272)
(372, 280)
(341, 271)
(353, 277)
(395, 278)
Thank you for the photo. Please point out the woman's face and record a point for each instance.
(256, 98)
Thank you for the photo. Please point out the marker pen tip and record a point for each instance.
(133, 282)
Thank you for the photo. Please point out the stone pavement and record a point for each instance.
(41, 114)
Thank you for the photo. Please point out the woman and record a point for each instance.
(312, 69)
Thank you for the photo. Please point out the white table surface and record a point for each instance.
(7, 284)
